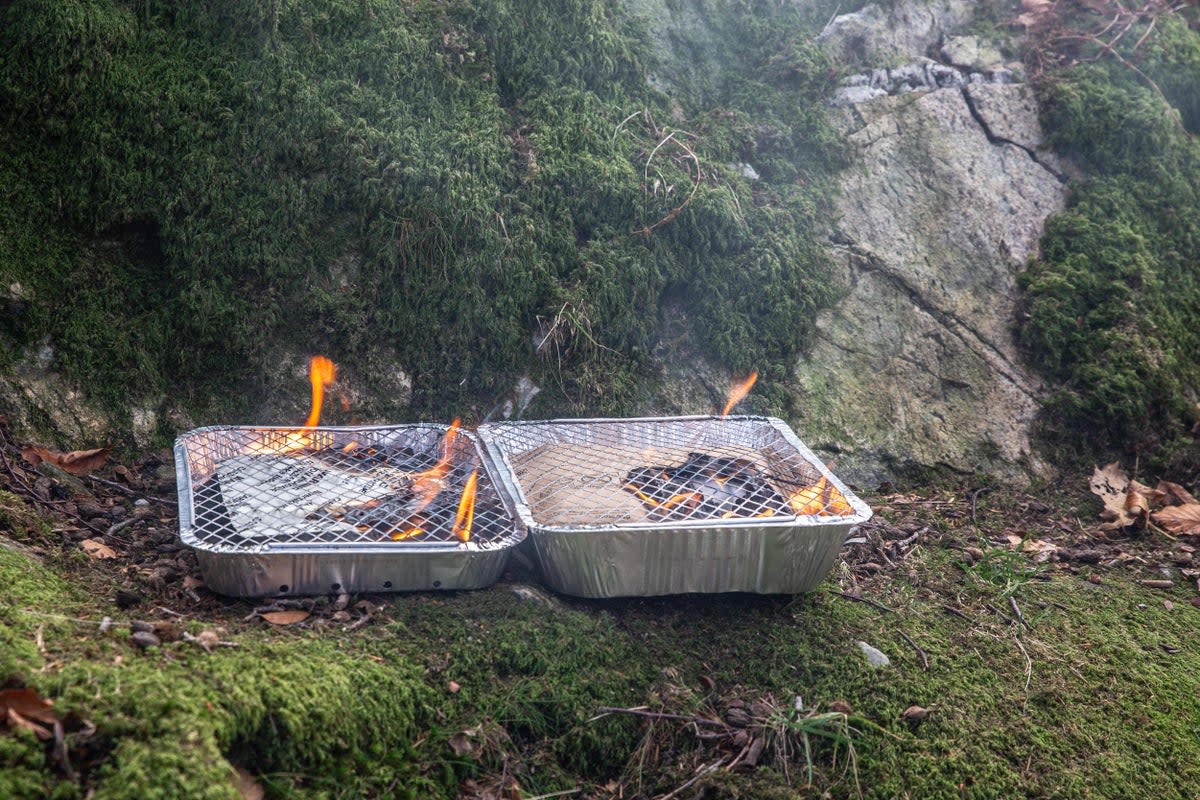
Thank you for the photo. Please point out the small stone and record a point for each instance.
(737, 717)
(144, 639)
(126, 599)
(914, 714)
(144, 627)
(1087, 556)
(876, 658)
(90, 510)
(141, 501)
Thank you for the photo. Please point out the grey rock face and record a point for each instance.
(884, 37)
(924, 75)
(917, 366)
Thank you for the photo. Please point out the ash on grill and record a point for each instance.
(348, 492)
(713, 487)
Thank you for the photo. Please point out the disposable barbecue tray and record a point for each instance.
(286, 511)
(670, 505)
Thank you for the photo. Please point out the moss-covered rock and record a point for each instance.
(196, 196)
(1113, 304)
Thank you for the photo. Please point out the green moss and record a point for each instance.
(188, 196)
(1112, 304)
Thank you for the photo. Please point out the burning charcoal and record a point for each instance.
(704, 487)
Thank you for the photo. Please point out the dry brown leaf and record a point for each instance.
(192, 582)
(29, 704)
(1137, 506)
(286, 617)
(1042, 549)
(1126, 502)
(461, 742)
(1172, 494)
(17, 720)
(247, 785)
(76, 462)
(97, 550)
(1181, 520)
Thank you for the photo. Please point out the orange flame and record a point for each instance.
(822, 499)
(415, 529)
(466, 509)
(321, 373)
(738, 392)
(427, 483)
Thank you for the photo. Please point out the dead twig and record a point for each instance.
(866, 600)
(1012, 603)
(713, 767)
(920, 652)
(1007, 620)
(642, 711)
(1028, 666)
(957, 612)
(358, 623)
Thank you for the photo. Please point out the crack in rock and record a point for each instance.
(972, 339)
(1001, 140)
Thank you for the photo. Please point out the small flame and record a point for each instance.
(321, 373)
(822, 499)
(427, 483)
(414, 529)
(465, 514)
(738, 392)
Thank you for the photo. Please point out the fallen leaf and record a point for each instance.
(1183, 520)
(286, 617)
(1125, 502)
(192, 582)
(17, 720)
(247, 785)
(1172, 494)
(97, 550)
(841, 707)
(1042, 549)
(208, 639)
(28, 703)
(76, 462)
(366, 607)
(461, 742)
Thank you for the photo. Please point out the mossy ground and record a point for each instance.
(1106, 705)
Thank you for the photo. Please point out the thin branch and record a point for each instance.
(1012, 603)
(644, 712)
(924, 656)
(866, 600)
(713, 767)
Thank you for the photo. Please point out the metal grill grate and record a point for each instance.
(598, 473)
(252, 488)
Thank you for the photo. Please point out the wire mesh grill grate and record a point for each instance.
(588, 473)
(404, 486)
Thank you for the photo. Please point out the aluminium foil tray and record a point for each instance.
(591, 540)
(256, 541)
